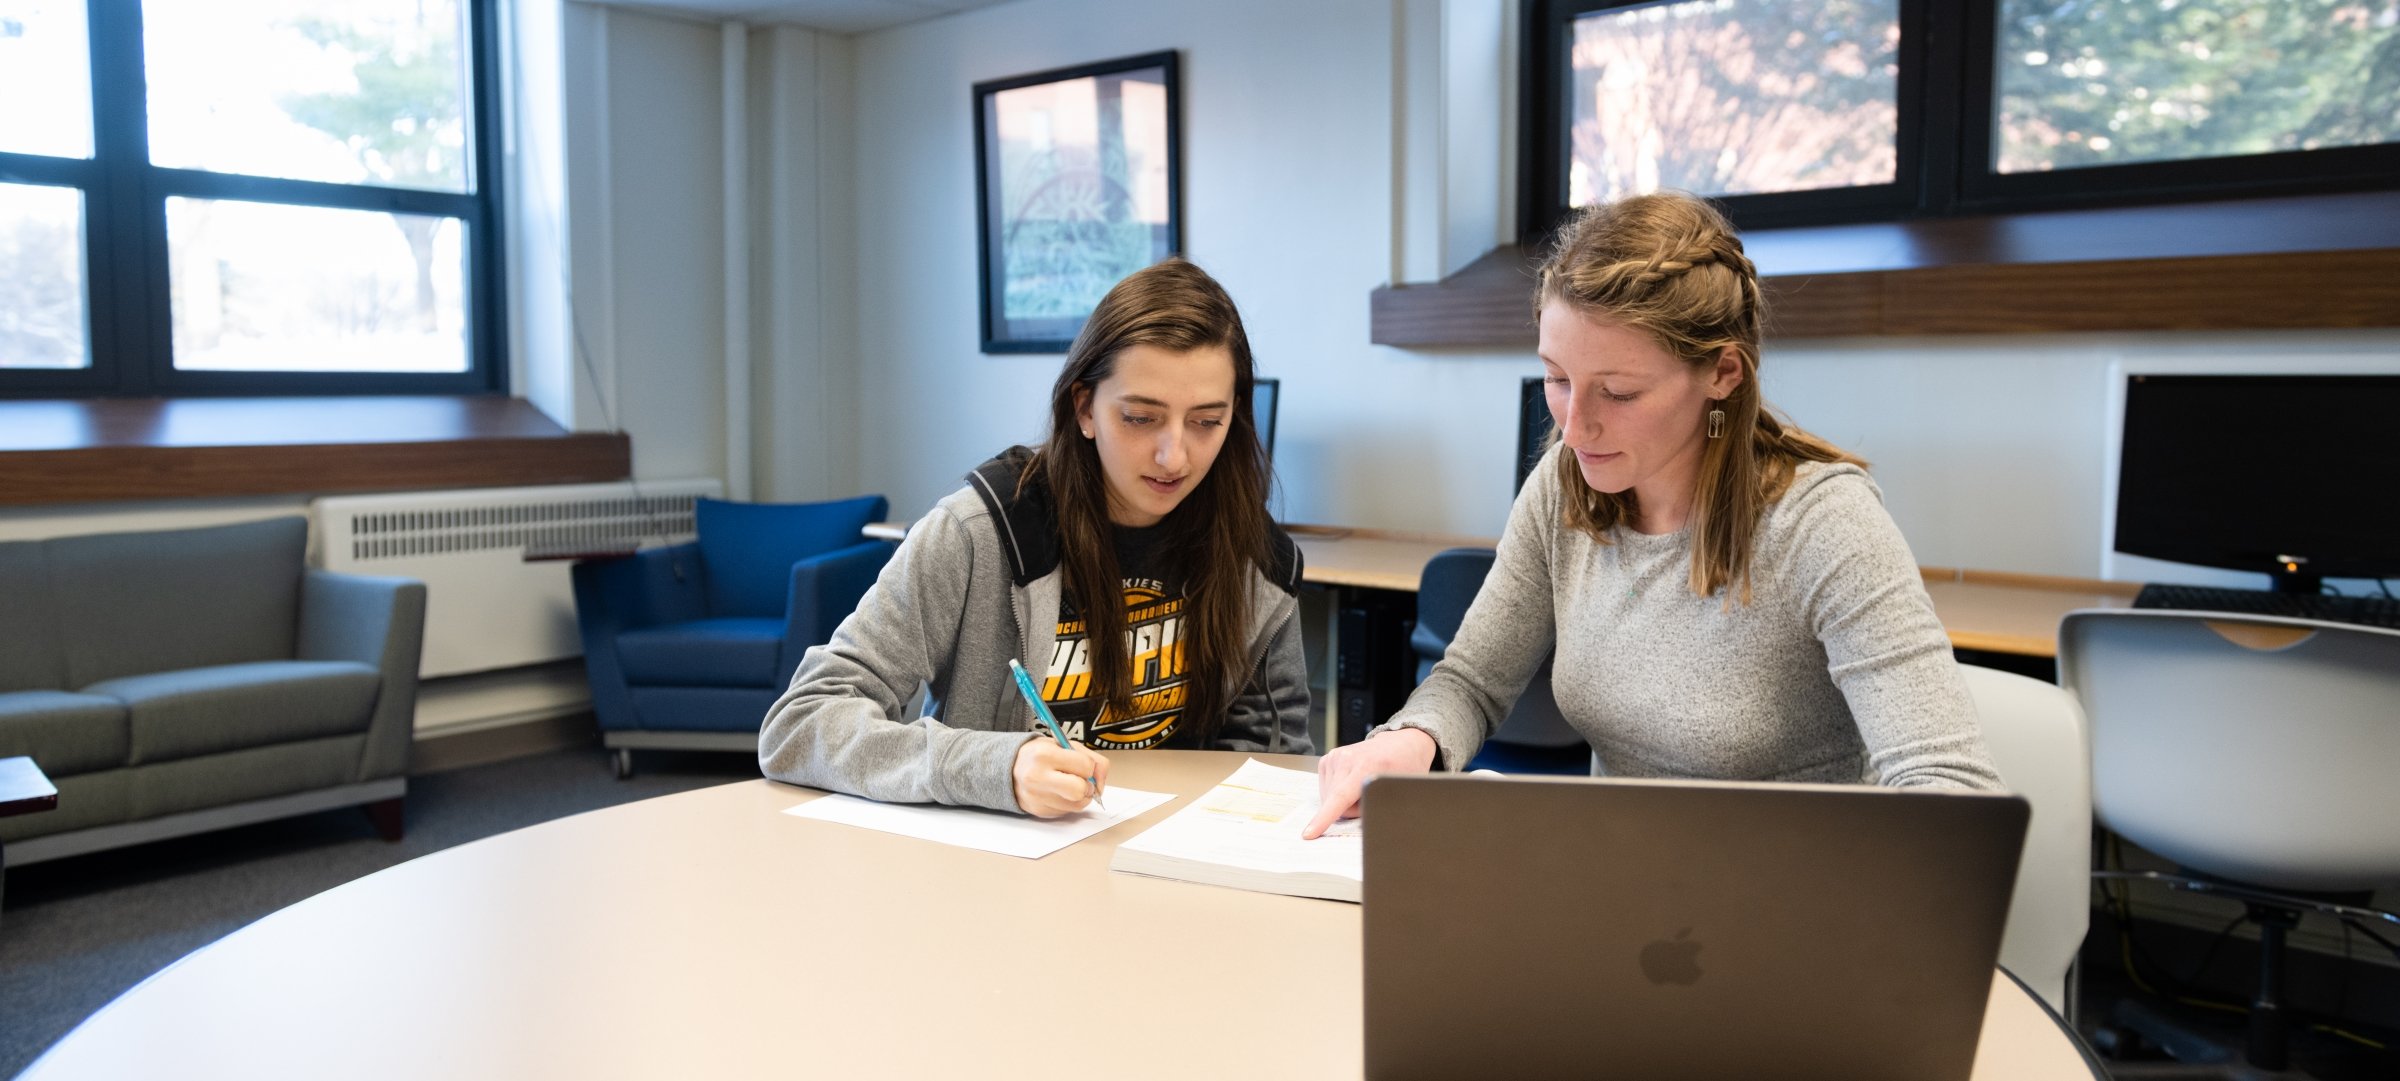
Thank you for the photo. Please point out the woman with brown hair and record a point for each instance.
(1129, 561)
(1725, 594)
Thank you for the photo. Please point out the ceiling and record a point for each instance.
(837, 16)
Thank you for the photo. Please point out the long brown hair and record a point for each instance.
(1213, 540)
(1668, 264)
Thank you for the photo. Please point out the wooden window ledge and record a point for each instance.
(113, 449)
(2260, 264)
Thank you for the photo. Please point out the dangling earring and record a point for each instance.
(1716, 423)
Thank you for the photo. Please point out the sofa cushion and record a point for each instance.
(136, 603)
(747, 549)
(703, 653)
(215, 780)
(703, 709)
(64, 733)
(200, 711)
(30, 657)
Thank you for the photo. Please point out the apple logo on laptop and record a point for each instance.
(1675, 960)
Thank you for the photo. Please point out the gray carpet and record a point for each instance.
(76, 933)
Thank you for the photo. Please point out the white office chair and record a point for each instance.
(2256, 753)
(2035, 732)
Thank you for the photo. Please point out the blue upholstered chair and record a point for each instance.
(1533, 738)
(687, 646)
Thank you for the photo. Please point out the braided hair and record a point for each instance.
(1669, 264)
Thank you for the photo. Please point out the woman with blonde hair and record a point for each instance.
(1725, 593)
(1129, 561)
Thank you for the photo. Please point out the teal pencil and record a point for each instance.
(1041, 712)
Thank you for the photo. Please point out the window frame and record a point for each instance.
(1984, 187)
(1945, 155)
(1545, 67)
(128, 321)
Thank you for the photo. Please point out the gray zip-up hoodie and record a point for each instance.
(976, 583)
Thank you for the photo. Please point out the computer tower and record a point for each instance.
(1373, 665)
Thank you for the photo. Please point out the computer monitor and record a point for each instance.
(1533, 427)
(2290, 475)
(1262, 411)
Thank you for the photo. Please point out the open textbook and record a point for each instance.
(1245, 833)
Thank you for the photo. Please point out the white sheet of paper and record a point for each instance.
(968, 827)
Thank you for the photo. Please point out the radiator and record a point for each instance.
(497, 593)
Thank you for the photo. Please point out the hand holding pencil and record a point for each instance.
(1053, 778)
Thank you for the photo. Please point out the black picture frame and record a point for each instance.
(1100, 204)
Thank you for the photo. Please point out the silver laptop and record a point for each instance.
(1599, 928)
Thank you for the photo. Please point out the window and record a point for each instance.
(1821, 111)
(248, 197)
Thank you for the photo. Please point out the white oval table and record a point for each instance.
(706, 934)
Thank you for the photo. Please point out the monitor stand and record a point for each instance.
(2295, 581)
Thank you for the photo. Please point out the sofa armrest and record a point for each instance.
(612, 596)
(378, 622)
(825, 590)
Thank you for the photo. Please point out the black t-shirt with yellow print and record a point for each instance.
(1154, 619)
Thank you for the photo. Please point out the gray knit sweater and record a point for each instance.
(1837, 671)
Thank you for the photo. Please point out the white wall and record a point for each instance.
(804, 295)
(1287, 200)
(646, 154)
(645, 192)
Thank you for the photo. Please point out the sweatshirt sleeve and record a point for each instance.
(1270, 714)
(1506, 634)
(839, 725)
(1884, 647)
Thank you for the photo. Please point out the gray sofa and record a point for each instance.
(193, 679)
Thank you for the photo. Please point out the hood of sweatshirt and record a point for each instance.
(1028, 516)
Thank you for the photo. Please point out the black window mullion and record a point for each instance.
(1539, 133)
(1940, 63)
(38, 169)
(129, 301)
(201, 184)
(487, 289)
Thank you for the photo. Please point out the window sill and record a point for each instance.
(114, 449)
(2265, 264)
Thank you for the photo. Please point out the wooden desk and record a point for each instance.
(2001, 612)
(1993, 611)
(1371, 558)
(707, 935)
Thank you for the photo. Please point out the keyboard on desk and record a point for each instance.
(2368, 611)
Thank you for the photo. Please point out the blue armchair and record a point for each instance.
(687, 646)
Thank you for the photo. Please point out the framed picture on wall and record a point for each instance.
(1077, 184)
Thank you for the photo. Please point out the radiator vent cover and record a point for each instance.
(533, 528)
(495, 561)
